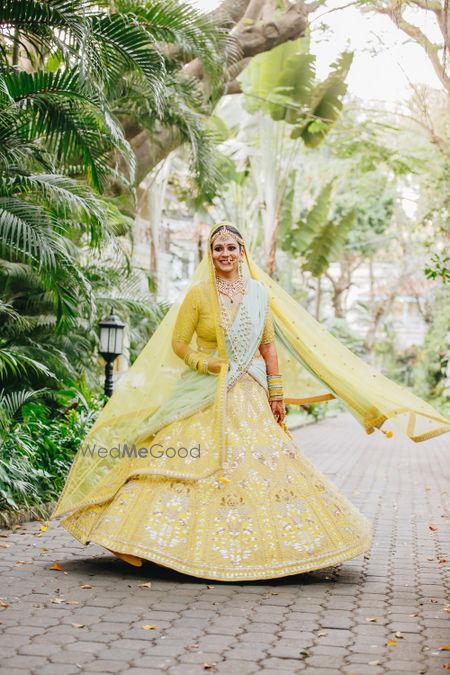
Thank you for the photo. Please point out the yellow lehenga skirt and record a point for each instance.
(269, 513)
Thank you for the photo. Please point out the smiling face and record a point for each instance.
(226, 255)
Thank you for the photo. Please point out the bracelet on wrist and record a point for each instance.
(197, 361)
(275, 387)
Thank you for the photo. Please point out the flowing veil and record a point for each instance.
(159, 390)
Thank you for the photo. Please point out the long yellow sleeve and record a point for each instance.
(187, 318)
(269, 330)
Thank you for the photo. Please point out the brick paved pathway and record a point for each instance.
(90, 616)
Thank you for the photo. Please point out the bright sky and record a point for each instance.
(373, 77)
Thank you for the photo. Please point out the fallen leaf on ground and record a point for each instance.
(210, 587)
(24, 562)
(372, 618)
(78, 625)
(146, 585)
(43, 528)
(85, 586)
(391, 643)
(57, 601)
(150, 627)
(4, 604)
(445, 648)
(374, 663)
(56, 566)
(72, 602)
(443, 560)
(208, 666)
(431, 527)
(398, 634)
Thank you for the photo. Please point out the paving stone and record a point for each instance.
(404, 666)
(103, 666)
(253, 627)
(330, 661)
(200, 657)
(57, 669)
(26, 662)
(282, 664)
(236, 667)
(39, 649)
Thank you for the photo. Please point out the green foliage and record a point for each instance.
(98, 65)
(106, 40)
(39, 443)
(315, 236)
(432, 370)
(439, 268)
(283, 83)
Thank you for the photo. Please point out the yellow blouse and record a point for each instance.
(195, 314)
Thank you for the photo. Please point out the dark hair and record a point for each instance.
(230, 228)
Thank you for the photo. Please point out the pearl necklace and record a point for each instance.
(231, 288)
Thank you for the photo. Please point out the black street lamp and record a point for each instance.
(111, 345)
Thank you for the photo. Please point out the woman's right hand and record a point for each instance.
(215, 364)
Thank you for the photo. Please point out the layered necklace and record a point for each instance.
(231, 288)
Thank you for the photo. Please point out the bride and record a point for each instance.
(190, 464)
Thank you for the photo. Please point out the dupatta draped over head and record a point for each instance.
(159, 391)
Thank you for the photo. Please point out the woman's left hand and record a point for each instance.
(278, 409)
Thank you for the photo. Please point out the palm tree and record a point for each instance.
(129, 52)
(62, 64)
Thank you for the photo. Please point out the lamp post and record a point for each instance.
(111, 345)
